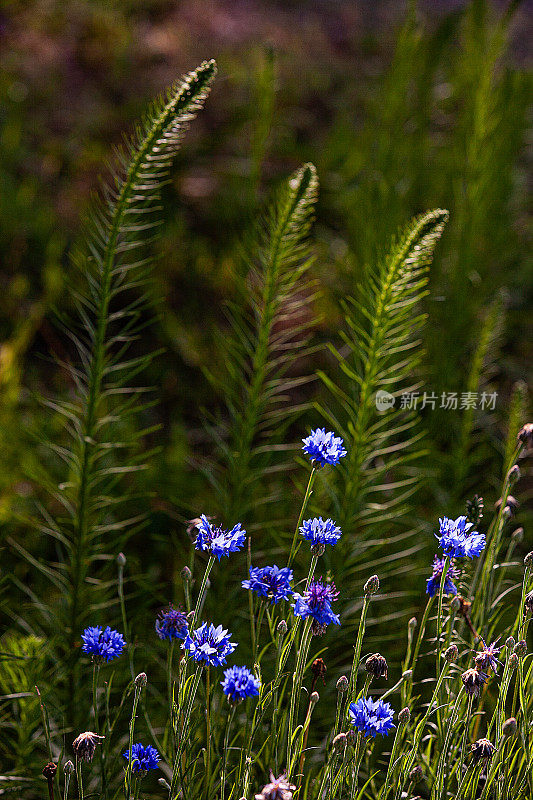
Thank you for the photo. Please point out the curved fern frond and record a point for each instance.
(103, 417)
(270, 325)
(381, 352)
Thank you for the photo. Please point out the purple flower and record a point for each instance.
(316, 603)
(371, 717)
(324, 448)
(317, 531)
(239, 683)
(171, 623)
(142, 758)
(486, 657)
(433, 583)
(218, 541)
(457, 540)
(102, 644)
(209, 645)
(270, 582)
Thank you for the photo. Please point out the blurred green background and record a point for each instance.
(402, 107)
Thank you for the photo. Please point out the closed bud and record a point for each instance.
(141, 680)
(186, 574)
(282, 627)
(451, 653)
(190, 617)
(339, 742)
(510, 643)
(68, 767)
(513, 661)
(416, 774)
(404, 716)
(528, 560)
(407, 675)
(371, 586)
(513, 475)
(528, 603)
(509, 727)
(165, 784)
(376, 666)
(121, 560)
(412, 623)
(315, 697)
(520, 648)
(456, 603)
(342, 684)
(518, 535)
(525, 435)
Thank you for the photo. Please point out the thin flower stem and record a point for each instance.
(307, 495)
(392, 759)
(183, 733)
(129, 768)
(79, 777)
(439, 611)
(277, 678)
(260, 616)
(358, 757)
(201, 594)
(67, 785)
(296, 688)
(465, 732)
(170, 696)
(96, 673)
(442, 762)
(350, 696)
(225, 752)
(208, 727)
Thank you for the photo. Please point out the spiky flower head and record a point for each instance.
(451, 653)
(520, 648)
(278, 789)
(433, 583)
(316, 603)
(217, 541)
(324, 448)
(473, 680)
(84, 745)
(404, 715)
(371, 717)
(272, 583)
(171, 623)
(486, 657)
(342, 684)
(143, 758)
(371, 586)
(320, 532)
(458, 540)
(103, 644)
(376, 666)
(239, 683)
(209, 645)
(482, 750)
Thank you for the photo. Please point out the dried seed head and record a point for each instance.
(473, 680)
(376, 666)
(84, 745)
(339, 742)
(186, 574)
(121, 560)
(319, 669)
(509, 727)
(282, 627)
(49, 771)
(520, 648)
(68, 767)
(525, 435)
(451, 653)
(141, 680)
(513, 661)
(528, 560)
(342, 684)
(371, 586)
(416, 774)
(528, 603)
(404, 716)
(482, 750)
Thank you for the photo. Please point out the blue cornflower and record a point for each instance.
(319, 531)
(102, 645)
(142, 758)
(457, 540)
(316, 603)
(218, 541)
(371, 717)
(433, 583)
(209, 645)
(270, 582)
(171, 623)
(239, 683)
(324, 448)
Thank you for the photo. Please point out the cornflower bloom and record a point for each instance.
(239, 683)
(209, 645)
(487, 656)
(217, 541)
(371, 717)
(433, 583)
(316, 603)
(320, 532)
(102, 644)
(143, 758)
(457, 540)
(278, 789)
(323, 448)
(473, 680)
(171, 623)
(84, 745)
(272, 583)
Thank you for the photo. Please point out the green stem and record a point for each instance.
(296, 688)
(357, 652)
(307, 495)
(225, 752)
(129, 768)
(202, 592)
(79, 776)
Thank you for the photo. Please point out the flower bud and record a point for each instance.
(404, 716)
(371, 586)
(49, 771)
(282, 627)
(407, 675)
(68, 767)
(509, 727)
(412, 623)
(525, 435)
(528, 560)
(313, 700)
(141, 680)
(416, 774)
(319, 669)
(510, 643)
(342, 684)
(165, 784)
(451, 653)
(121, 560)
(518, 535)
(190, 617)
(513, 661)
(528, 603)
(339, 742)
(376, 666)
(520, 648)
(513, 475)
(186, 575)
